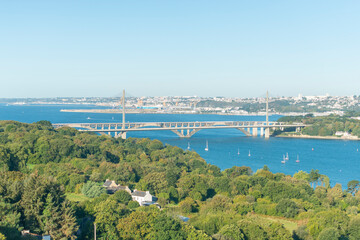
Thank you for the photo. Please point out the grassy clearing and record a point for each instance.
(289, 225)
(76, 197)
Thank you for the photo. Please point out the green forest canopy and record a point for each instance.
(50, 183)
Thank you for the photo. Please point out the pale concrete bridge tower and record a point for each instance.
(267, 130)
(122, 134)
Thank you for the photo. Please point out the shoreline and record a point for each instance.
(352, 138)
(151, 111)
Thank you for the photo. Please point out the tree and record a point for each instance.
(275, 230)
(302, 233)
(335, 194)
(68, 221)
(33, 200)
(133, 204)
(333, 218)
(353, 186)
(7, 162)
(50, 218)
(240, 187)
(188, 205)
(238, 171)
(194, 234)
(137, 225)
(329, 234)
(251, 229)
(122, 196)
(92, 189)
(173, 194)
(354, 228)
(155, 182)
(165, 228)
(9, 219)
(232, 232)
(301, 175)
(172, 175)
(107, 215)
(314, 176)
(44, 123)
(287, 208)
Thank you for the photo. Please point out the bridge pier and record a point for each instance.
(120, 134)
(261, 132)
(267, 133)
(244, 131)
(189, 132)
(254, 132)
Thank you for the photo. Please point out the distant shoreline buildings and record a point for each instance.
(299, 105)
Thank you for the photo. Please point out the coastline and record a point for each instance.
(154, 111)
(353, 138)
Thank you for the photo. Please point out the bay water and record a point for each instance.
(338, 159)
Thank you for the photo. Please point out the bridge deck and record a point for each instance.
(182, 129)
(153, 126)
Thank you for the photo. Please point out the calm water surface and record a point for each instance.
(338, 159)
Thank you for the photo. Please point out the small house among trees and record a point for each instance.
(144, 198)
(111, 187)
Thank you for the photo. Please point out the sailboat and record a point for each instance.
(207, 146)
(249, 154)
(238, 151)
(297, 160)
(188, 146)
(287, 156)
(283, 161)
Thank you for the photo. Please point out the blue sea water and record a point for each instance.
(338, 159)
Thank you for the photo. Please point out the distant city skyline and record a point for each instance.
(179, 48)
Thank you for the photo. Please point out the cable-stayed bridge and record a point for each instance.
(182, 129)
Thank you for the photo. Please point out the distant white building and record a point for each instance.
(143, 197)
(345, 134)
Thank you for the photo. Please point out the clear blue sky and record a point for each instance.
(195, 47)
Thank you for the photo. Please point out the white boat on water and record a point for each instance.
(238, 151)
(287, 157)
(207, 146)
(284, 159)
(188, 146)
(249, 154)
(297, 160)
